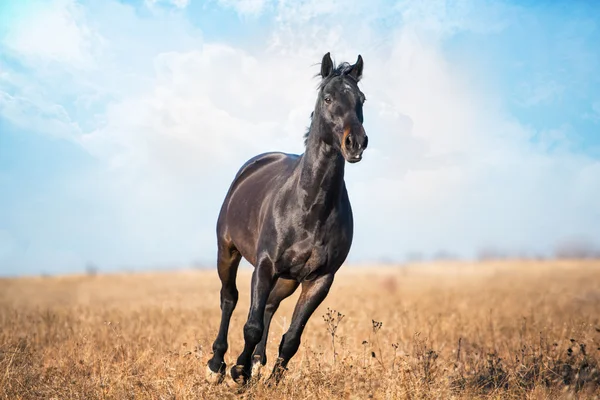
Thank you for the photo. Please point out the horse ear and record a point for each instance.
(326, 66)
(357, 69)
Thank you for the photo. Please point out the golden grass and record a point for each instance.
(492, 330)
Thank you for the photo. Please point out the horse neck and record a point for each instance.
(321, 172)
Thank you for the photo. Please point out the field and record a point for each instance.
(484, 330)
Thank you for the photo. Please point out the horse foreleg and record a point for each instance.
(283, 289)
(263, 279)
(313, 293)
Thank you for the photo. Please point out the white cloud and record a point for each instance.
(38, 116)
(245, 7)
(213, 105)
(56, 31)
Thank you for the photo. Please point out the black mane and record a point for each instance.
(308, 129)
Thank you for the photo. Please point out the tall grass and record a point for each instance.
(487, 330)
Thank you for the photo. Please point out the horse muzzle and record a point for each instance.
(353, 145)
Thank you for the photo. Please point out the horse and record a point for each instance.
(290, 216)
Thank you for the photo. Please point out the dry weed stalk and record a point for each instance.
(332, 320)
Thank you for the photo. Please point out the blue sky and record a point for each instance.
(123, 123)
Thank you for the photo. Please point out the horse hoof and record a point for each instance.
(215, 374)
(238, 374)
(278, 372)
(256, 367)
(214, 377)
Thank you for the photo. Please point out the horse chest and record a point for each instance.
(302, 259)
(306, 257)
(311, 240)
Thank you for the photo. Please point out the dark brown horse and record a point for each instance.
(290, 217)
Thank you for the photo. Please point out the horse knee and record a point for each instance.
(229, 296)
(253, 332)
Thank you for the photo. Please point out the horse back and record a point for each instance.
(257, 162)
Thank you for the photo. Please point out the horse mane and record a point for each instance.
(308, 129)
(338, 70)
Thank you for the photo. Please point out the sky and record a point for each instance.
(122, 124)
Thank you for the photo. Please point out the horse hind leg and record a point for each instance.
(228, 259)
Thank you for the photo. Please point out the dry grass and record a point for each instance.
(494, 330)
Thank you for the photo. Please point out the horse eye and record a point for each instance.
(327, 99)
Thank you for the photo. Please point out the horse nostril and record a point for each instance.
(366, 142)
(348, 141)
